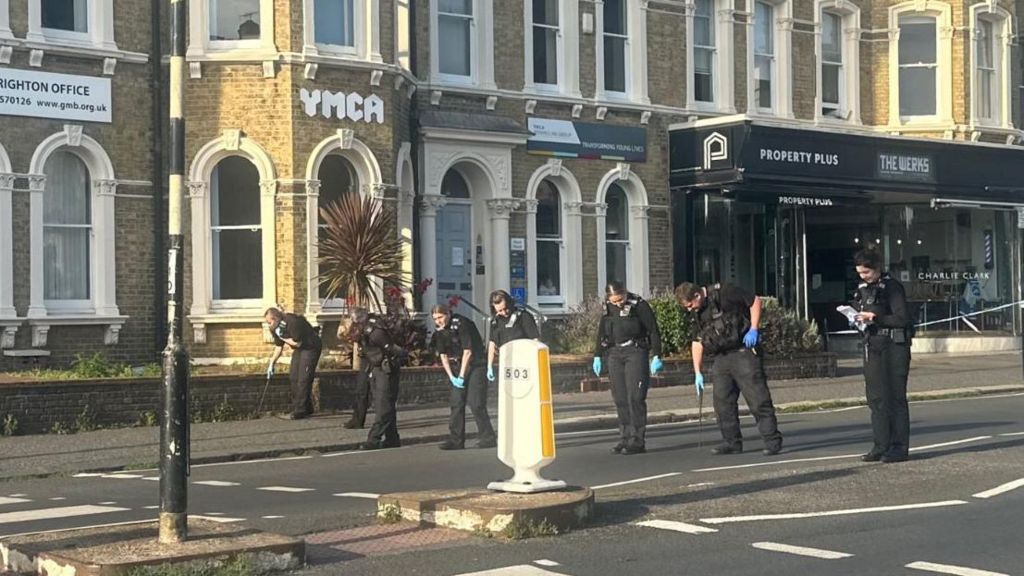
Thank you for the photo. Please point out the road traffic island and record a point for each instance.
(501, 513)
(115, 550)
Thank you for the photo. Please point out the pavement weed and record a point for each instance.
(235, 566)
(527, 528)
(389, 514)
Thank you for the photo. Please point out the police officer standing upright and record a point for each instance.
(728, 317)
(508, 323)
(627, 337)
(304, 340)
(886, 326)
(461, 349)
(381, 360)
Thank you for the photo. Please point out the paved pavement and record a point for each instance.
(116, 449)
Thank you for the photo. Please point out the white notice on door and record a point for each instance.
(457, 256)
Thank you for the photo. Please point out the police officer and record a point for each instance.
(304, 340)
(508, 323)
(350, 331)
(886, 327)
(381, 360)
(629, 340)
(728, 317)
(461, 349)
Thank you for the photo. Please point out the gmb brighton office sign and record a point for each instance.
(351, 106)
(48, 95)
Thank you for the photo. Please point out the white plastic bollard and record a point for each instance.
(526, 421)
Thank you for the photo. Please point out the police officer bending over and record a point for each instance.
(304, 340)
(508, 323)
(727, 328)
(381, 361)
(627, 336)
(461, 349)
(886, 327)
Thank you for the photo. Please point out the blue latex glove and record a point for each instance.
(597, 366)
(698, 383)
(750, 339)
(490, 373)
(270, 371)
(458, 382)
(656, 365)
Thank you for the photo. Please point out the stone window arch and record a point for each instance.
(629, 238)
(553, 229)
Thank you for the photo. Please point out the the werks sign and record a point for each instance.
(341, 105)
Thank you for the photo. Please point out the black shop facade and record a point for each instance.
(784, 209)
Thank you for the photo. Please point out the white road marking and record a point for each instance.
(953, 443)
(1013, 434)
(520, 570)
(284, 489)
(152, 478)
(801, 550)
(12, 500)
(271, 517)
(111, 503)
(58, 498)
(950, 569)
(62, 512)
(730, 519)
(368, 495)
(214, 513)
(1000, 489)
(260, 461)
(87, 475)
(18, 495)
(345, 453)
(646, 479)
(122, 476)
(700, 484)
(58, 530)
(677, 526)
(216, 483)
(775, 463)
(548, 563)
(217, 519)
(150, 507)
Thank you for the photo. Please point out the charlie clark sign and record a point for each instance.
(49, 95)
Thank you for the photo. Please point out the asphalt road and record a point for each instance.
(963, 448)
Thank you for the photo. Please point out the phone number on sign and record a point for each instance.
(19, 100)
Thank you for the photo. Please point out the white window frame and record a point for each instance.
(636, 53)
(638, 269)
(942, 13)
(782, 66)
(204, 308)
(568, 51)
(723, 78)
(212, 229)
(99, 32)
(368, 172)
(78, 304)
(101, 307)
(481, 58)
(199, 33)
(365, 28)
(1002, 49)
(571, 262)
(849, 78)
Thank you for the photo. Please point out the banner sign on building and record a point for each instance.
(567, 139)
(48, 95)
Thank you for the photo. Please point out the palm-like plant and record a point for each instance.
(359, 250)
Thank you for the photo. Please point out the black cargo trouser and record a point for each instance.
(362, 397)
(475, 396)
(301, 373)
(886, 365)
(738, 372)
(630, 376)
(385, 400)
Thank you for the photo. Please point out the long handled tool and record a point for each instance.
(259, 410)
(700, 419)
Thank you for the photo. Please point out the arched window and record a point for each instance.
(236, 231)
(454, 185)
(549, 244)
(337, 177)
(67, 227)
(616, 235)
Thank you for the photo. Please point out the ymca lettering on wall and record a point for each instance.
(340, 105)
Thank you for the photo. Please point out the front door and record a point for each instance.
(454, 254)
(791, 259)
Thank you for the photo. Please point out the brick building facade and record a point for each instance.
(520, 144)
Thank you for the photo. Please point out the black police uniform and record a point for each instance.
(626, 338)
(380, 369)
(519, 324)
(461, 334)
(886, 365)
(362, 391)
(304, 359)
(721, 326)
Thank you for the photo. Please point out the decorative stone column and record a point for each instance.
(36, 305)
(573, 291)
(530, 207)
(406, 198)
(313, 305)
(501, 210)
(6, 247)
(600, 215)
(429, 205)
(640, 257)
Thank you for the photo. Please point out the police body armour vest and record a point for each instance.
(725, 331)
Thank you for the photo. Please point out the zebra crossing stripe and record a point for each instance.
(7, 500)
(61, 512)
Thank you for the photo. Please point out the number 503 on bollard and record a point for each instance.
(526, 421)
